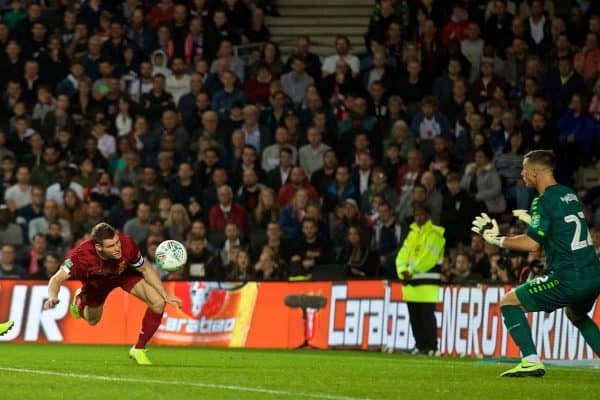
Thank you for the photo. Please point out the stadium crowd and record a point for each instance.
(148, 115)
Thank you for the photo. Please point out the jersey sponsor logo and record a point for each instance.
(567, 198)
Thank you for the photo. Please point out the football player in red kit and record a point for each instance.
(111, 259)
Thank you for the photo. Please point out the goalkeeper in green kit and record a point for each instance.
(557, 224)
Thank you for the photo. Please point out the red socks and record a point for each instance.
(150, 324)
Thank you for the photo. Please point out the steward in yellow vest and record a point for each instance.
(419, 265)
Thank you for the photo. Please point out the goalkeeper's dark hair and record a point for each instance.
(102, 231)
(545, 158)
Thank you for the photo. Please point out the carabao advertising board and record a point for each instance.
(367, 315)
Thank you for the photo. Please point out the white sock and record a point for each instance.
(534, 358)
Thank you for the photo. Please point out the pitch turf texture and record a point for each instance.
(46, 372)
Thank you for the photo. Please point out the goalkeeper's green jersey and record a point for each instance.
(559, 226)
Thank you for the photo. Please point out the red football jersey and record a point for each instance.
(84, 263)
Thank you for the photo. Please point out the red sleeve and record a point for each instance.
(131, 252)
(73, 262)
(80, 259)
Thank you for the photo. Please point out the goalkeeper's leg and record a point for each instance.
(518, 327)
(577, 314)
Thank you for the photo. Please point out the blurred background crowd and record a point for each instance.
(184, 120)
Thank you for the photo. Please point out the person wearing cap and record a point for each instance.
(419, 266)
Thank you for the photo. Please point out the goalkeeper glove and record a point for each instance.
(522, 215)
(490, 235)
(480, 222)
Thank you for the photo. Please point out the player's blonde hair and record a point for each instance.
(102, 231)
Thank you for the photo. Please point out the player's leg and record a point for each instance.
(6, 326)
(578, 315)
(151, 321)
(88, 303)
(156, 305)
(513, 306)
(516, 323)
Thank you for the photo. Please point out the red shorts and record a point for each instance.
(95, 291)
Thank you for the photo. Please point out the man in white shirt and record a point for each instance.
(270, 156)
(178, 83)
(19, 195)
(362, 176)
(143, 84)
(107, 145)
(64, 181)
(311, 154)
(472, 49)
(342, 48)
(41, 224)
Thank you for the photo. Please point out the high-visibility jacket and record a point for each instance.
(422, 255)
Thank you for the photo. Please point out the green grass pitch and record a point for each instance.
(48, 372)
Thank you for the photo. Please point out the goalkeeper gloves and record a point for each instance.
(522, 215)
(491, 234)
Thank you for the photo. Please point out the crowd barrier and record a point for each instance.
(367, 315)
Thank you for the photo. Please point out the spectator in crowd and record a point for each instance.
(295, 82)
(50, 215)
(18, 195)
(387, 237)
(457, 210)
(279, 176)
(8, 263)
(73, 209)
(292, 214)
(463, 270)
(10, 233)
(241, 267)
(296, 182)
(310, 251)
(226, 210)
(357, 256)
(482, 181)
(311, 155)
(159, 99)
(269, 266)
(378, 187)
(139, 227)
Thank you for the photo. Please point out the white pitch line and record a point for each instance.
(274, 392)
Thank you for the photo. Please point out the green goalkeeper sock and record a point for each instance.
(518, 327)
(591, 334)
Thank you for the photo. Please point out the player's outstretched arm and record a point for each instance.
(54, 286)
(153, 279)
(520, 243)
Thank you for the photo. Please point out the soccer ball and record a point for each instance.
(171, 255)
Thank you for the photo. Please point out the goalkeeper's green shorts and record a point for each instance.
(548, 293)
